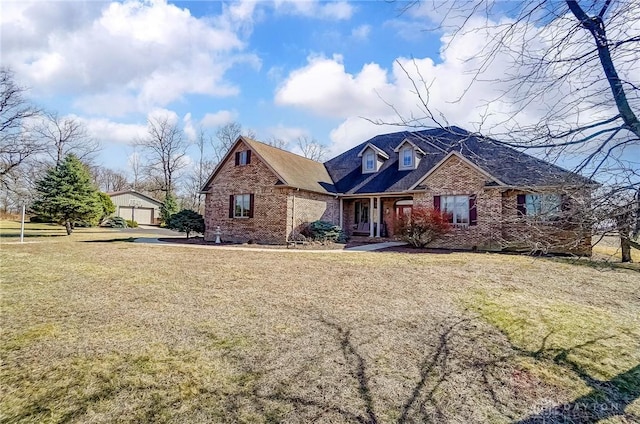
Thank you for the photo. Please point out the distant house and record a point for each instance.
(494, 196)
(136, 206)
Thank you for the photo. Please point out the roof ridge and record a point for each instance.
(251, 140)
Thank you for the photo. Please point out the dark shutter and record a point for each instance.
(473, 211)
(248, 157)
(522, 204)
(436, 203)
(251, 205)
(231, 206)
(237, 158)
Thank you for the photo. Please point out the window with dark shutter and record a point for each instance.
(521, 204)
(237, 158)
(248, 157)
(473, 210)
(436, 203)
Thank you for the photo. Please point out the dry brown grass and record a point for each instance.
(104, 332)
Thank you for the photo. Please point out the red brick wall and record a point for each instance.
(268, 224)
(273, 206)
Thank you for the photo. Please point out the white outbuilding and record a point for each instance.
(136, 206)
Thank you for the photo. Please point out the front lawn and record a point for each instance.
(124, 332)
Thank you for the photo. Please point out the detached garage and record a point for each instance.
(136, 206)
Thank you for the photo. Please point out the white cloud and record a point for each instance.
(338, 10)
(124, 57)
(222, 117)
(361, 32)
(286, 134)
(109, 132)
(461, 87)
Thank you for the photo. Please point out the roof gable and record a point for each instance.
(500, 163)
(134, 193)
(290, 169)
(376, 150)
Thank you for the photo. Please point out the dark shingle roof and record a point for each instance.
(506, 165)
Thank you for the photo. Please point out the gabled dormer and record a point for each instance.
(409, 155)
(372, 158)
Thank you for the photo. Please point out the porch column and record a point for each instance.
(341, 213)
(371, 217)
(379, 226)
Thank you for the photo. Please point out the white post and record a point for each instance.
(379, 215)
(22, 226)
(371, 217)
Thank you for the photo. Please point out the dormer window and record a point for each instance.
(407, 158)
(409, 155)
(372, 158)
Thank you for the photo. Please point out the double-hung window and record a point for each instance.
(369, 161)
(243, 158)
(544, 206)
(460, 210)
(241, 206)
(407, 158)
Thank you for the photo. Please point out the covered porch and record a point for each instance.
(372, 216)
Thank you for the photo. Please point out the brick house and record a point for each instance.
(495, 197)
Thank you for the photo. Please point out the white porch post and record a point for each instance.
(379, 214)
(371, 217)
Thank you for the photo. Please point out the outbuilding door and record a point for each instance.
(142, 216)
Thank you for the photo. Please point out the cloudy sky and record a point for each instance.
(281, 68)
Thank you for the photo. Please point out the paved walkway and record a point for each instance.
(362, 248)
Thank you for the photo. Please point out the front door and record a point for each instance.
(362, 216)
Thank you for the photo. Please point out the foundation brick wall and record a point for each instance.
(305, 207)
(268, 224)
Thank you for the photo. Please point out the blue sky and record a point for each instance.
(281, 68)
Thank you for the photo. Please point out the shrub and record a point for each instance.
(132, 224)
(187, 221)
(106, 204)
(115, 222)
(423, 226)
(325, 231)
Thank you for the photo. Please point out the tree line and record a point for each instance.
(32, 141)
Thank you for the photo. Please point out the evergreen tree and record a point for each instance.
(187, 221)
(168, 208)
(66, 194)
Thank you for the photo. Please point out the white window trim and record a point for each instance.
(455, 213)
(242, 158)
(246, 198)
(365, 156)
(403, 166)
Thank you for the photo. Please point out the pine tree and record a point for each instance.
(169, 208)
(66, 194)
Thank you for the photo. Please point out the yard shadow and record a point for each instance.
(607, 399)
(29, 235)
(456, 349)
(113, 240)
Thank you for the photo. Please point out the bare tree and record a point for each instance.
(276, 142)
(571, 64)
(312, 148)
(16, 142)
(108, 180)
(64, 135)
(166, 149)
(225, 136)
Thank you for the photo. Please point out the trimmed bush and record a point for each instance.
(115, 222)
(132, 223)
(325, 231)
(186, 221)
